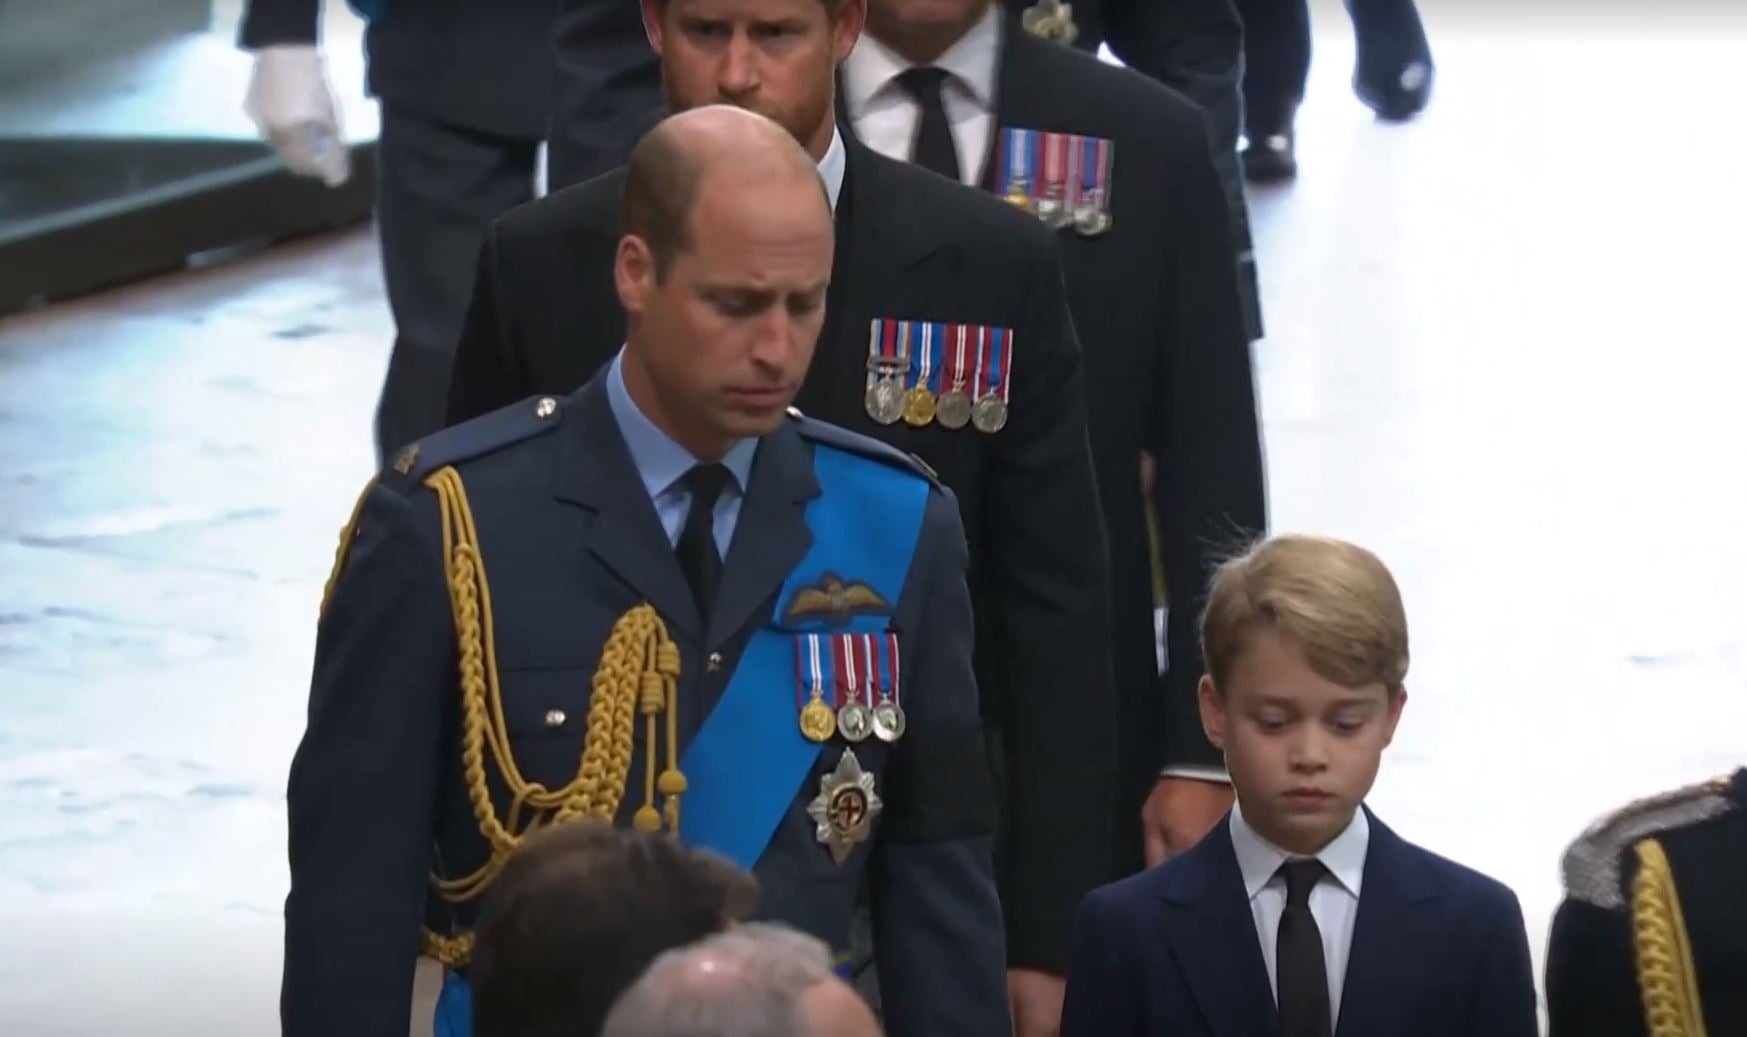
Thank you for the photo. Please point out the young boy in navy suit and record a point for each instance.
(1302, 915)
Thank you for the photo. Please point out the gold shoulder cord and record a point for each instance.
(638, 673)
(1667, 980)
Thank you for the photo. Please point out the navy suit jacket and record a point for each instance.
(1439, 950)
(571, 541)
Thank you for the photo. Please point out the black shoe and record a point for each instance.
(1393, 72)
(1269, 156)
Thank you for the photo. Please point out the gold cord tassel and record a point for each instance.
(638, 672)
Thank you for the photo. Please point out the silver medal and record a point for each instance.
(888, 721)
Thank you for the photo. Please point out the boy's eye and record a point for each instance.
(1271, 724)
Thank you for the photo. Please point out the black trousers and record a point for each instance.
(1277, 51)
(439, 188)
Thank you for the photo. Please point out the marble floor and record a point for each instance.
(1506, 351)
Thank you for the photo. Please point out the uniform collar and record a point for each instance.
(1258, 859)
(873, 68)
(661, 462)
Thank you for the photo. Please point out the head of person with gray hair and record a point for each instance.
(756, 980)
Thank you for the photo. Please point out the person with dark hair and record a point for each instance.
(578, 913)
(1119, 169)
(667, 601)
(947, 334)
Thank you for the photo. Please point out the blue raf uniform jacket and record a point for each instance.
(570, 541)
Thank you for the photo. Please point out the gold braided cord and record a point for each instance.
(638, 672)
(1667, 979)
(348, 533)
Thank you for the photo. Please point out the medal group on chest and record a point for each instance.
(922, 373)
(1061, 178)
(847, 685)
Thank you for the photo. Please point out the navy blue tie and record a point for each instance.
(698, 557)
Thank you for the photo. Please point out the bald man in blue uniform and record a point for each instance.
(666, 601)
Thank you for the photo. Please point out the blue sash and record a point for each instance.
(747, 762)
(745, 765)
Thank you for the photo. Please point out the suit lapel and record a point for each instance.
(1392, 938)
(1217, 949)
(595, 471)
(883, 249)
(1021, 93)
(771, 535)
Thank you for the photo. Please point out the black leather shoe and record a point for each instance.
(1269, 156)
(1393, 72)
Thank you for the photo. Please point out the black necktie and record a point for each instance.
(1301, 975)
(696, 547)
(934, 147)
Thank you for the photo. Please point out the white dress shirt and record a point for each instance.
(885, 116)
(831, 167)
(1334, 903)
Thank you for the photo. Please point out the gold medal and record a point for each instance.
(919, 406)
(843, 813)
(1019, 198)
(818, 722)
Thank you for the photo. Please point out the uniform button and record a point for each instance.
(546, 407)
(555, 718)
(714, 662)
(795, 412)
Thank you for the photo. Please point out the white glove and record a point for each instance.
(293, 107)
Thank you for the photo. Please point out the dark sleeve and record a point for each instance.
(1102, 998)
(1592, 979)
(1196, 48)
(606, 90)
(363, 786)
(486, 373)
(267, 22)
(1209, 492)
(1504, 995)
(1047, 592)
(936, 915)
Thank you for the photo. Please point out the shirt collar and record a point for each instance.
(1258, 859)
(660, 461)
(873, 68)
(831, 167)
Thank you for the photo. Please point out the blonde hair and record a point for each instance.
(1336, 601)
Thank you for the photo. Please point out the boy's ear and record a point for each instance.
(1397, 701)
(1213, 711)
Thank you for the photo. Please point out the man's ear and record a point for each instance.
(652, 23)
(1212, 711)
(846, 28)
(634, 273)
(1397, 702)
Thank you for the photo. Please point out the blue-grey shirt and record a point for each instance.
(663, 463)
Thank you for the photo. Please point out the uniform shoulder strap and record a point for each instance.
(1593, 864)
(470, 439)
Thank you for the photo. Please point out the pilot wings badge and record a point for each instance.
(835, 601)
